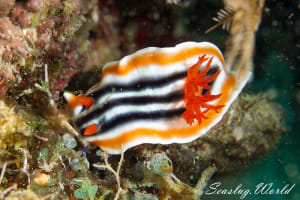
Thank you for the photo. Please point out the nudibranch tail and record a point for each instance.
(157, 95)
(196, 102)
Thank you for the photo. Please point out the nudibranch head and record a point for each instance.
(157, 95)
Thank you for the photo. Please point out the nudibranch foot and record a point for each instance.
(156, 95)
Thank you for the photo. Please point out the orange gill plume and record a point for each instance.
(197, 103)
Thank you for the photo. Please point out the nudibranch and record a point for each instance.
(157, 95)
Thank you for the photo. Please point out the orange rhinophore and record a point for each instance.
(91, 129)
(157, 95)
(76, 102)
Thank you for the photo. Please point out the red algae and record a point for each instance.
(35, 5)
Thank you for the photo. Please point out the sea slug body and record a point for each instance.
(157, 95)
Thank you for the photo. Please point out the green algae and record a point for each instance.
(86, 190)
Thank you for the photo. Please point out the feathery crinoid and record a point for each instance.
(196, 102)
(223, 18)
